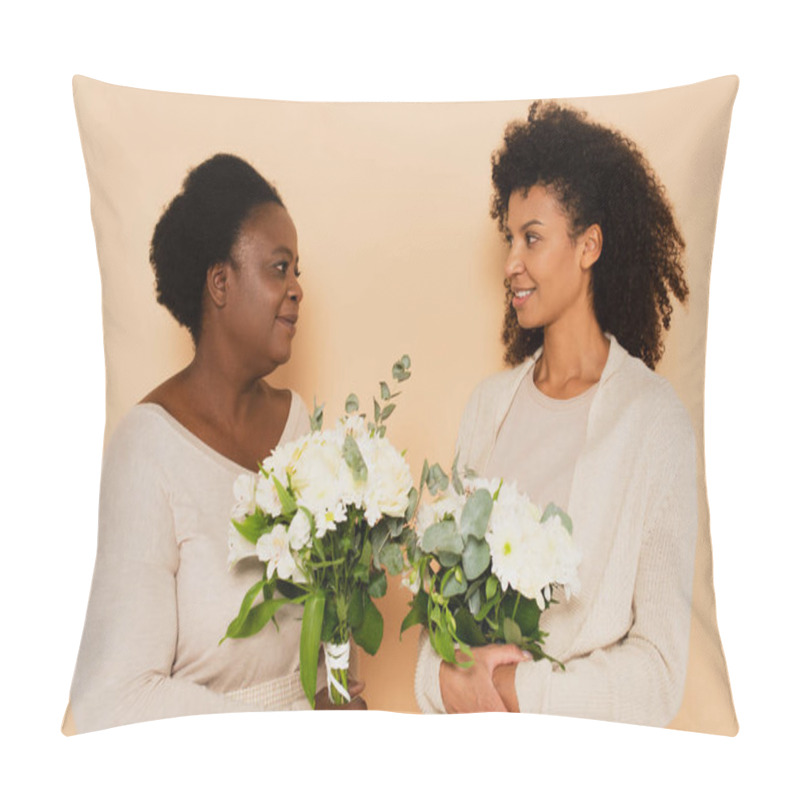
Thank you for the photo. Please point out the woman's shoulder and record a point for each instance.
(653, 397)
(500, 385)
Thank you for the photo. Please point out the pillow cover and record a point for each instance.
(399, 255)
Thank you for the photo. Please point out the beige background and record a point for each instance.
(398, 255)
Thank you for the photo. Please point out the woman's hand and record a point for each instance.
(323, 703)
(467, 689)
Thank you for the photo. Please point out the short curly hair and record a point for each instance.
(198, 229)
(599, 176)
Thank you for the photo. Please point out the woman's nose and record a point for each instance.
(295, 290)
(513, 265)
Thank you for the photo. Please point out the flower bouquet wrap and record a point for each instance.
(326, 515)
(485, 564)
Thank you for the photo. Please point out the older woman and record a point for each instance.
(583, 421)
(226, 263)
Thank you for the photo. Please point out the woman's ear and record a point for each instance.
(592, 239)
(217, 283)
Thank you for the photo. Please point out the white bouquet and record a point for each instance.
(485, 563)
(326, 514)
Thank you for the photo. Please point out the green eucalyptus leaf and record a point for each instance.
(413, 502)
(369, 633)
(315, 419)
(492, 585)
(437, 480)
(475, 558)
(354, 459)
(553, 510)
(392, 558)
(442, 537)
(453, 583)
(476, 513)
(424, 477)
(448, 560)
(405, 361)
(418, 615)
(310, 633)
(387, 411)
(351, 404)
(377, 584)
(377, 411)
(386, 392)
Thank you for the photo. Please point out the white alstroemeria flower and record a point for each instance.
(266, 496)
(299, 530)
(274, 550)
(238, 546)
(244, 496)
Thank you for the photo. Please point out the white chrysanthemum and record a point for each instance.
(299, 531)
(275, 551)
(490, 484)
(326, 520)
(527, 554)
(244, 495)
(565, 554)
(388, 480)
(238, 546)
(321, 475)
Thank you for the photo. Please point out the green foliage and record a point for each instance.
(354, 459)
(476, 558)
(351, 404)
(310, 638)
(369, 633)
(253, 527)
(443, 537)
(476, 513)
(553, 510)
(315, 419)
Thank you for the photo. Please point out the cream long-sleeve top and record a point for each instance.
(162, 593)
(624, 638)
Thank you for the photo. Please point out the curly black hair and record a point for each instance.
(599, 176)
(198, 229)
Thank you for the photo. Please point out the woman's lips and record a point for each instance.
(288, 322)
(520, 297)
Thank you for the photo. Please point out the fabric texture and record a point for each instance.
(162, 595)
(624, 638)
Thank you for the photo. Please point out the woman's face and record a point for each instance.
(548, 271)
(262, 293)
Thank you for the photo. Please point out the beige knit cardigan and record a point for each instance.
(624, 638)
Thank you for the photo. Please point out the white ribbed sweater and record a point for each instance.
(162, 594)
(624, 639)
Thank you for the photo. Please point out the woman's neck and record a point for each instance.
(572, 359)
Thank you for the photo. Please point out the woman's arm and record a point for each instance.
(123, 673)
(639, 679)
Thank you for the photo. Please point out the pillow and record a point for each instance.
(399, 255)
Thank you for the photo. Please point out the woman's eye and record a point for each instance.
(282, 267)
(530, 238)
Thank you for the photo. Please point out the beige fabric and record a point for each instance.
(553, 429)
(162, 596)
(398, 255)
(624, 638)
